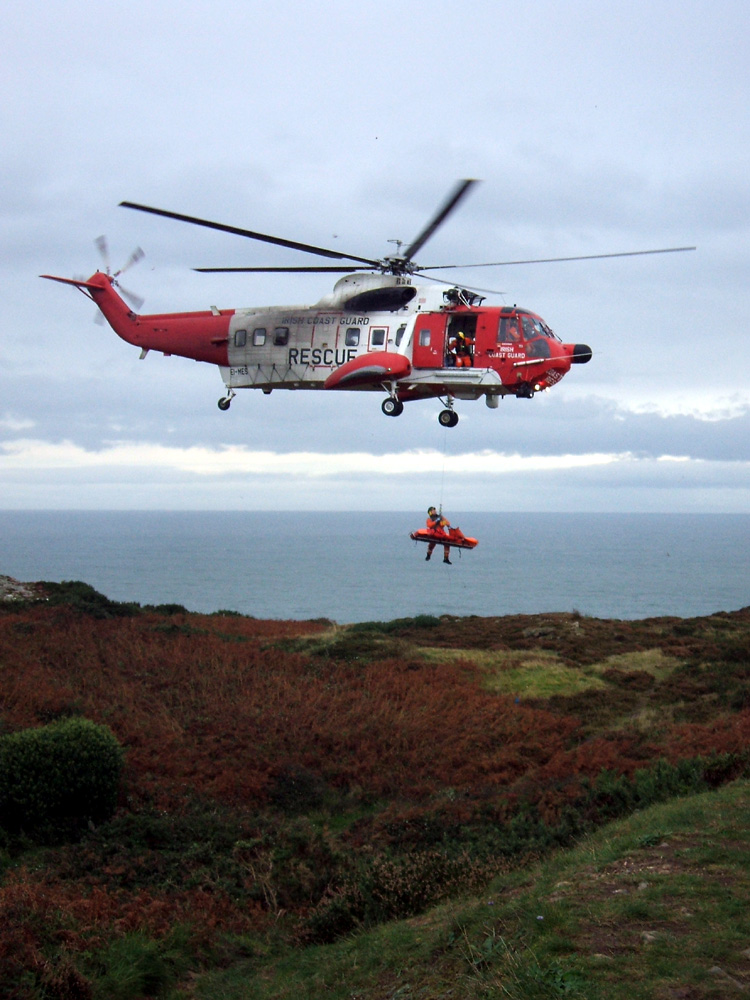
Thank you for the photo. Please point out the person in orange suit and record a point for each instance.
(439, 525)
(462, 347)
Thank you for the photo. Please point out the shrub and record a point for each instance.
(55, 779)
(351, 647)
(391, 888)
(167, 609)
(397, 625)
(83, 597)
(135, 966)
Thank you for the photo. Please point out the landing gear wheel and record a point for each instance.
(224, 403)
(448, 418)
(392, 407)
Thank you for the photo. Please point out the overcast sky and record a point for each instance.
(595, 127)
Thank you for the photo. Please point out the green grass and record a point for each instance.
(648, 907)
(541, 674)
(537, 674)
(652, 661)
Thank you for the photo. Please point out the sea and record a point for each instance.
(362, 566)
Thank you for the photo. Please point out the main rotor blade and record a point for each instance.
(272, 270)
(551, 260)
(277, 240)
(469, 288)
(458, 193)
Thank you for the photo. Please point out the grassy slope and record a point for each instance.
(272, 762)
(653, 906)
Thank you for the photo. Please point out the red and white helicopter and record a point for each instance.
(380, 330)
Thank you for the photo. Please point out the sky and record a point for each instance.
(595, 127)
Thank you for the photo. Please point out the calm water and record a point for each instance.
(359, 567)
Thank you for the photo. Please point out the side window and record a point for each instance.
(377, 337)
(400, 334)
(281, 336)
(424, 338)
(507, 331)
(352, 337)
(259, 336)
(240, 338)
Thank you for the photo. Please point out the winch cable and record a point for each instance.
(442, 481)
(442, 475)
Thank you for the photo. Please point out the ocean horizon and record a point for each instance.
(362, 566)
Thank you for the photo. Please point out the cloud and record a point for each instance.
(185, 422)
(40, 475)
(227, 461)
(708, 409)
(27, 454)
(14, 424)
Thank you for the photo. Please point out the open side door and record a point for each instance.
(428, 350)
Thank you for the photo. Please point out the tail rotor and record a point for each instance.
(103, 247)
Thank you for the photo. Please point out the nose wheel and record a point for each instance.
(226, 401)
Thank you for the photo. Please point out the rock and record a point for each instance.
(14, 590)
(717, 971)
(538, 632)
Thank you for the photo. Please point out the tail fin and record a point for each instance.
(100, 289)
(78, 282)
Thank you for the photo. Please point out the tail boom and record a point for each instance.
(202, 336)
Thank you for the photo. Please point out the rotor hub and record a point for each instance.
(398, 265)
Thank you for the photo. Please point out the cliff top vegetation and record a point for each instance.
(292, 788)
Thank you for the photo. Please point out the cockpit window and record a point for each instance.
(531, 328)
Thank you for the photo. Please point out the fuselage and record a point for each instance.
(440, 342)
(505, 349)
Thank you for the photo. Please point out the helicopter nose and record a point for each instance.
(581, 354)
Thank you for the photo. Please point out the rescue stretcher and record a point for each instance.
(454, 537)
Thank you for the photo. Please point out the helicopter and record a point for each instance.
(381, 329)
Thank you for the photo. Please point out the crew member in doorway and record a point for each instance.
(440, 526)
(463, 348)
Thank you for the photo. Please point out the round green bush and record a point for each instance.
(57, 778)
